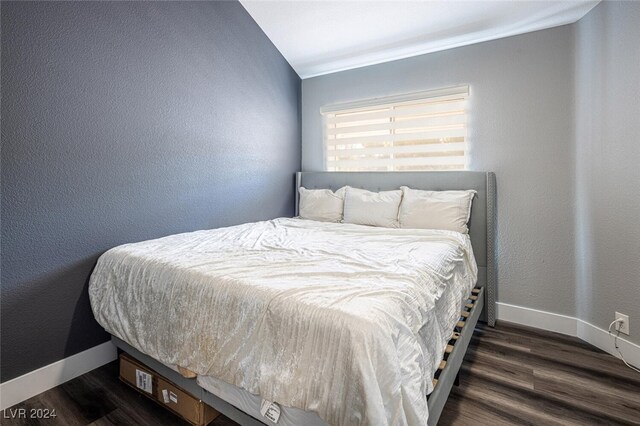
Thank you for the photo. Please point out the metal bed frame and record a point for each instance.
(480, 304)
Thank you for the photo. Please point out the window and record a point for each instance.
(419, 131)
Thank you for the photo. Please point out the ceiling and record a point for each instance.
(321, 37)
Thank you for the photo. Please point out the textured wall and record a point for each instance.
(520, 127)
(608, 164)
(124, 121)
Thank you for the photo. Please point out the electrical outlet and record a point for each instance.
(622, 327)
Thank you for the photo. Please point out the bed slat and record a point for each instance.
(464, 315)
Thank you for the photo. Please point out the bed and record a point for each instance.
(298, 312)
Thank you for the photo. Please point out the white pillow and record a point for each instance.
(372, 208)
(322, 205)
(448, 210)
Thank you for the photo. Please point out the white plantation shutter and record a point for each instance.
(419, 131)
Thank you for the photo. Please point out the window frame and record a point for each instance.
(460, 93)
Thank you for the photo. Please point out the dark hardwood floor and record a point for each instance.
(520, 375)
(511, 375)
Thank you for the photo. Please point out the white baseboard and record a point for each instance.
(35, 382)
(571, 326)
(538, 319)
(601, 339)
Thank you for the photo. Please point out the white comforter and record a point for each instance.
(333, 318)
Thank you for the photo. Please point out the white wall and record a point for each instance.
(608, 164)
(520, 127)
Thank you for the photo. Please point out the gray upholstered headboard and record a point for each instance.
(482, 225)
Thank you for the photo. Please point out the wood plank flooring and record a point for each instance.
(520, 375)
(511, 375)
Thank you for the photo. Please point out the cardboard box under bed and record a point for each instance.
(158, 388)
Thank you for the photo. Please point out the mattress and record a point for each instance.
(251, 404)
(340, 320)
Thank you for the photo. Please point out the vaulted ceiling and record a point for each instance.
(321, 37)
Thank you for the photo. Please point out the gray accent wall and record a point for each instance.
(125, 121)
(520, 127)
(607, 176)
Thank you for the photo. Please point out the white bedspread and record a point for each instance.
(333, 318)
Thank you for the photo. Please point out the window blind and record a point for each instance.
(418, 131)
